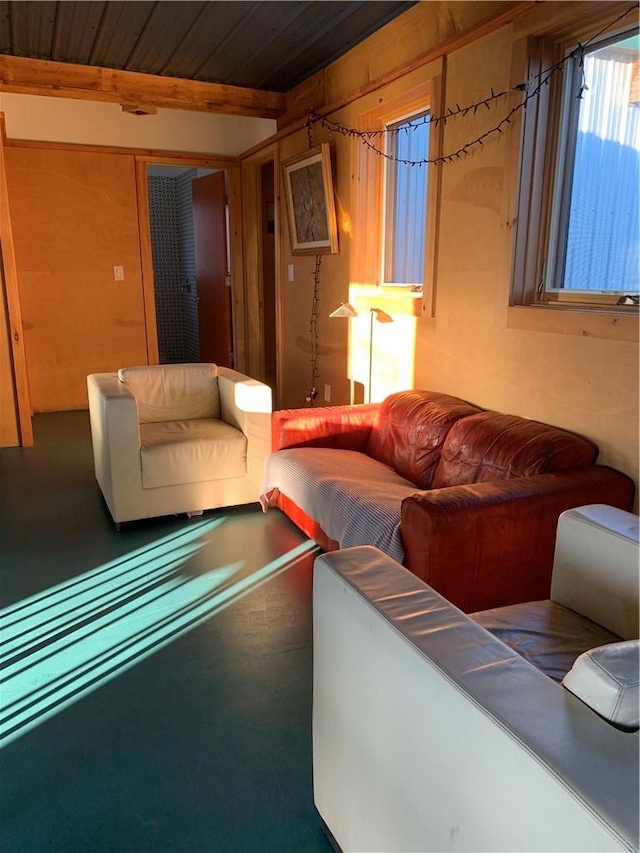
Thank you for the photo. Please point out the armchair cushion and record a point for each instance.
(545, 633)
(191, 451)
(606, 679)
(173, 392)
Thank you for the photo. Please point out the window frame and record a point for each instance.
(538, 163)
(368, 197)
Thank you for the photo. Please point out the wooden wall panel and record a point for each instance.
(15, 403)
(580, 377)
(74, 215)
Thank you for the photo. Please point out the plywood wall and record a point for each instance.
(74, 217)
(584, 383)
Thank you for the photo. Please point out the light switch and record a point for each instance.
(118, 273)
(290, 272)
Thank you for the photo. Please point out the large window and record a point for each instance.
(594, 242)
(578, 234)
(406, 201)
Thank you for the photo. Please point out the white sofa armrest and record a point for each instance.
(596, 567)
(246, 404)
(431, 734)
(115, 435)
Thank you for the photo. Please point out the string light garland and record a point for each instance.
(530, 88)
(313, 331)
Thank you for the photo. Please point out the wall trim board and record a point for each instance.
(146, 263)
(158, 157)
(254, 285)
(8, 259)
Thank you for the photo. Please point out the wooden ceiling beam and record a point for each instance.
(83, 82)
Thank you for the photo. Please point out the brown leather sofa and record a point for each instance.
(465, 498)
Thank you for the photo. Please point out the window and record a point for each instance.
(577, 227)
(406, 201)
(594, 242)
(394, 203)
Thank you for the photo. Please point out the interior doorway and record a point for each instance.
(191, 267)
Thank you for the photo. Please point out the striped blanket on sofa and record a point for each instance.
(354, 498)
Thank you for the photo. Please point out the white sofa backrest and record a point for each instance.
(173, 392)
(596, 570)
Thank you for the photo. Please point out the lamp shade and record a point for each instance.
(346, 309)
(381, 316)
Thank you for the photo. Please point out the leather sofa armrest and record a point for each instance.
(342, 427)
(490, 544)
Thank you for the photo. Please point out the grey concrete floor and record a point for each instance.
(156, 691)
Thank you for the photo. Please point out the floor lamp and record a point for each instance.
(347, 310)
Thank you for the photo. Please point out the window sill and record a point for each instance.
(565, 320)
(394, 299)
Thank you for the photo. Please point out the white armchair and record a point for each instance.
(431, 734)
(178, 438)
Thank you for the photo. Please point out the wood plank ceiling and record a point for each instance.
(267, 46)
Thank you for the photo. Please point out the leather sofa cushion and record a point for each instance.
(173, 392)
(606, 679)
(191, 451)
(409, 430)
(489, 446)
(545, 633)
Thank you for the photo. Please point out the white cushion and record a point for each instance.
(606, 678)
(192, 451)
(173, 392)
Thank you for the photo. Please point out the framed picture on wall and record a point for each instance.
(310, 203)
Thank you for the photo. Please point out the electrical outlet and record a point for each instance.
(118, 273)
(327, 393)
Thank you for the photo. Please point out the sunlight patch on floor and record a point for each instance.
(61, 644)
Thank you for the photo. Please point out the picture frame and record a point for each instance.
(310, 202)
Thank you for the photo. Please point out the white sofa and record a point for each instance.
(178, 438)
(430, 734)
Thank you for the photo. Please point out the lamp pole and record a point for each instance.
(371, 313)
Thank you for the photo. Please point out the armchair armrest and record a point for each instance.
(115, 436)
(490, 544)
(245, 403)
(342, 427)
(595, 568)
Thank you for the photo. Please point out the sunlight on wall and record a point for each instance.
(392, 355)
(61, 644)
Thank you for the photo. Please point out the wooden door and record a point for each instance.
(214, 292)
